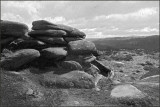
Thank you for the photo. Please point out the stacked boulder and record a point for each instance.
(53, 43)
(11, 31)
(48, 44)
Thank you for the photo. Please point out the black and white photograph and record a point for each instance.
(79, 53)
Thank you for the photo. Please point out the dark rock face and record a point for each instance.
(55, 53)
(104, 70)
(4, 42)
(13, 29)
(27, 44)
(17, 59)
(81, 47)
(93, 70)
(52, 40)
(49, 33)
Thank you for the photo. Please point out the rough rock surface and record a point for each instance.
(50, 33)
(73, 79)
(126, 91)
(27, 44)
(56, 53)
(81, 47)
(69, 39)
(69, 65)
(14, 29)
(52, 40)
(18, 58)
(42, 25)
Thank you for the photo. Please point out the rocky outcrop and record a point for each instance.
(47, 44)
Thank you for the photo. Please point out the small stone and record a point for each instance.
(30, 92)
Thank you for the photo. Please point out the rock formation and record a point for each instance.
(48, 44)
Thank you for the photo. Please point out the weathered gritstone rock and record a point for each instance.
(13, 29)
(55, 53)
(27, 44)
(17, 59)
(122, 91)
(53, 40)
(47, 33)
(43, 25)
(41, 22)
(73, 79)
(69, 65)
(81, 47)
(69, 39)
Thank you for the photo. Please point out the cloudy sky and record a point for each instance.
(98, 19)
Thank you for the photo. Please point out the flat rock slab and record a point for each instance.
(44, 25)
(127, 90)
(13, 29)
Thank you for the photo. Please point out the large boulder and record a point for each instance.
(27, 44)
(14, 60)
(13, 29)
(73, 79)
(53, 40)
(125, 91)
(49, 33)
(43, 25)
(55, 53)
(81, 47)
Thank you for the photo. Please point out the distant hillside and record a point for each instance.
(149, 43)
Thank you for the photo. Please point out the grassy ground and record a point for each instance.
(24, 89)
